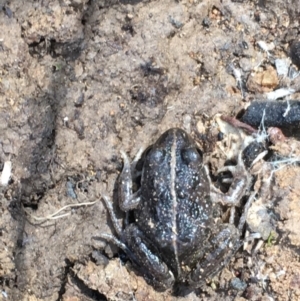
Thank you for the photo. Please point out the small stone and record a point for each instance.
(264, 81)
(187, 122)
(70, 190)
(79, 101)
(282, 66)
(238, 284)
(100, 259)
(8, 12)
(269, 78)
(201, 127)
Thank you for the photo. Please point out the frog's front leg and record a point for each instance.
(127, 199)
(143, 255)
(240, 184)
(224, 245)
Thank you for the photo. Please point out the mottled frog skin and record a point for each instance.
(177, 236)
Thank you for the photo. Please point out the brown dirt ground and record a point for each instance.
(82, 79)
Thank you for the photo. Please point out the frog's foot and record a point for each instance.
(241, 182)
(153, 269)
(252, 242)
(236, 170)
(111, 238)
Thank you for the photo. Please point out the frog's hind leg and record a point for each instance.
(117, 227)
(224, 245)
(111, 238)
(153, 269)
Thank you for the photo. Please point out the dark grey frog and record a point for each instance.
(177, 236)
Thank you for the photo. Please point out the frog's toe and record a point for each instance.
(236, 170)
(161, 285)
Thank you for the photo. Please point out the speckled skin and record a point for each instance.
(175, 238)
(175, 210)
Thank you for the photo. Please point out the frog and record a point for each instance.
(176, 236)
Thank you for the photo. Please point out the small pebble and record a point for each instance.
(201, 127)
(70, 190)
(264, 81)
(206, 22)
(6, 173)
(80, 100)
(282, 66)
(8, 11)
(79, 128)
(238, 284)
(187, 122)
(129, 16)
(100, 259)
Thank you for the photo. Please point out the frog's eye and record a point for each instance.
(157, 156)
(191, 155)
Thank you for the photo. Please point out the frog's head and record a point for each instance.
(176, 146)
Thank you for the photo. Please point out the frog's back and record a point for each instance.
(175, 207)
